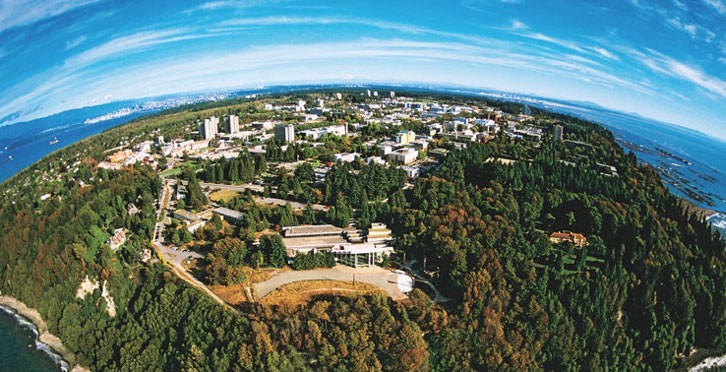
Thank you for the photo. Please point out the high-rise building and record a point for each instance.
(231, 125)
(558, 132)
(405, 137)
(393, 94)
(285, 133)
(208, 129)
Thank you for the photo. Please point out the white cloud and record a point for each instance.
(231, 4)
(220, 70)
(716, 4)
(72, 43)
(134, 42)
(668, 66)
(688, 28)
(516, 24)
(606, 53)
(16, 13)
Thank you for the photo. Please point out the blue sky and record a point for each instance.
(662, 59)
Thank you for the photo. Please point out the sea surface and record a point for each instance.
(19, 346)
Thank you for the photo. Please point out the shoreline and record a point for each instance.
(44, 337)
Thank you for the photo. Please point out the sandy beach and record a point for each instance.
(45, 337)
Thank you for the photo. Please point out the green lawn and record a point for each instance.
(179, 168)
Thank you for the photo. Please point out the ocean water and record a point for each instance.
(23, 144)
(19, 348)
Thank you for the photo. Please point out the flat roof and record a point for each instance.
(313, 242)
(186, 215)
(226, 212)
(312, 230)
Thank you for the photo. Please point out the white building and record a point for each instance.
(232, 124)
(346, 157)
(404, 155)
(375, 160)
(317, 133)
(208, 129)
(411, 172)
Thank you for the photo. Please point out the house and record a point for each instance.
(117, 239)
(577, 239)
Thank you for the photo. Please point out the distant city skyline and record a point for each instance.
(664, 60)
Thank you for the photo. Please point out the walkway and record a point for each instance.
(382, 278)
(439, 298)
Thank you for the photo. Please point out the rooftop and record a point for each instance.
(311, 230)
(229, 213)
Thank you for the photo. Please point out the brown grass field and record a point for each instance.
(222, 195)
(295, 294)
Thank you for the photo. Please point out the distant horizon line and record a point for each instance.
(474, 92)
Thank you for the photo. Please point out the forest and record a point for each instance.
(642, 293)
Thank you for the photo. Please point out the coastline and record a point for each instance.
(44, 336)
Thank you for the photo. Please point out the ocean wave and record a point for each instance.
(39, 345)
(57, 358)
(58, 128)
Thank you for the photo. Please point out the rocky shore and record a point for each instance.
(44, 336)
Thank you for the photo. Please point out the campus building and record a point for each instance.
(347, 244)
(208, 129)
(285, 133)
(231, 125)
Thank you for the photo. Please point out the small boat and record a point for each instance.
(53, 141)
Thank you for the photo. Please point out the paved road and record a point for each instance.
(382, 278)
(174, 258)
(439, 298)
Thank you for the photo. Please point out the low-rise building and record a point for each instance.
(404, 155)
(186, 216)
(230, 215)
(346, 157)
(411, 172)
(117, 239)
(577, 239)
